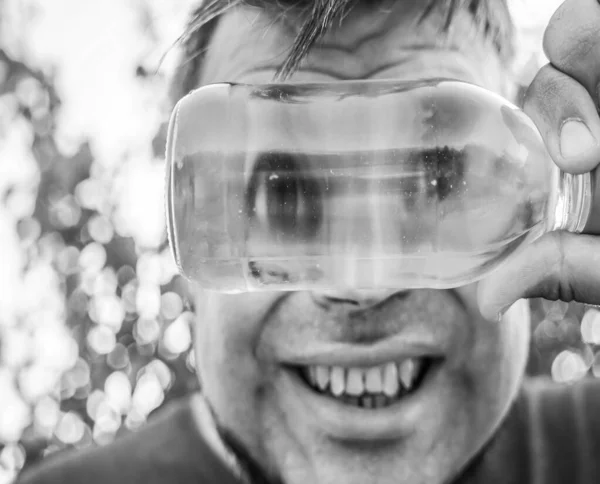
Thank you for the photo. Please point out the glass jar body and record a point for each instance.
(357, 184)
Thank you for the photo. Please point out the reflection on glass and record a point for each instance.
(363, 184)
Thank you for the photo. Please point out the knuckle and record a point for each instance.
(572, 34)
(558, 240)
(545, 86)
(561, 284)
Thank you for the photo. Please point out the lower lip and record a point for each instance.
(349, 422)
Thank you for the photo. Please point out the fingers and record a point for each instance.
(563, 97)
(559, 265)
(566, 116)
(562, 101)
(572, 42)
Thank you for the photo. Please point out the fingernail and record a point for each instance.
(575, 139)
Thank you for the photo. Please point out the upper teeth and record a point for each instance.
(386, 379)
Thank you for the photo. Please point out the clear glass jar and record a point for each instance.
(366, 184)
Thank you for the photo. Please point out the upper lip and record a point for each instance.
(395, 348)
(393, 330)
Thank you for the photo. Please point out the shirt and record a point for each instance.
(551, 435)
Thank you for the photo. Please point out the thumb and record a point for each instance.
(558, 265)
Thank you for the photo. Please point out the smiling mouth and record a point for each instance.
(370, 388)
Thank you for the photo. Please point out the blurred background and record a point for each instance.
(95, 324)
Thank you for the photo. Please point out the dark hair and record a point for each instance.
(316, 16)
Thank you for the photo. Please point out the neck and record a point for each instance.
(227, 446)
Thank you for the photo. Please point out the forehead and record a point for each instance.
(250, 43)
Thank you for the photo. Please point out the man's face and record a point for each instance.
(258, 353)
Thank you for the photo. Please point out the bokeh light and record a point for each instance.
(171, 305)
(37, 381)
(147, 300)
(12, 459)
(100, 229)
(178, 336)
(568, 366)
(146, 330)
(70, 428)
(46, 414)
(148, 393)
(101, 340)
(93, 257)
(118, 392)
(590, 327)
(14, 412)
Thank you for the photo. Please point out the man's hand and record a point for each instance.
(563, 102)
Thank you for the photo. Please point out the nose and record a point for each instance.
(357, 298)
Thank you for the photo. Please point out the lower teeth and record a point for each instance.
(369, 401)
(374, 400)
